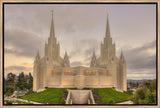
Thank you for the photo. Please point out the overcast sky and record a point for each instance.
(80, 28)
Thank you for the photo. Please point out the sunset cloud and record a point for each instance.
(140, 58)
(22, 43)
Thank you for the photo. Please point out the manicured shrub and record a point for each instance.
(111, 101)
(63, 101)
(9, 91)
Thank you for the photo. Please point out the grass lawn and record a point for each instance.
(106, 94)
(53, 95)
(50, 95)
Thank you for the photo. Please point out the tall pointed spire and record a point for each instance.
(66, 60)
(65, 55)
(107, 27)
(93, 60)
(38, 53)
(121, 57)
(38, 57)
(94, 56)
(46, 49)
(52, 33)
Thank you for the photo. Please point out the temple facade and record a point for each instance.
(52, 70)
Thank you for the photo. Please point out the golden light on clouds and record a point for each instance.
(151, 52)
(138, 75)
(12, 60)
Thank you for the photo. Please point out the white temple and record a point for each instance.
(52, 70)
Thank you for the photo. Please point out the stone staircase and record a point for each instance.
(80, 97)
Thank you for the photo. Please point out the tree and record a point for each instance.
(11, 77)
(30, 81)
(21, 81)
(8, 91)
(146, 94)
(153, 85)
(129, 91)
(147, 85)
(149, 97)
(137, 84)
(27, 81)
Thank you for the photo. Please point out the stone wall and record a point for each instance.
(106, 80)
(92, 80)
(88, 81)
(99, 81)
(67, 80)
(54, 81)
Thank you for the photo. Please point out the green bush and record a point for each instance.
(92, 88)
(146, 94)
(8, 94)
(63, 101)
(9, 102)
(9, 91)
(111, 101)
(130, 91)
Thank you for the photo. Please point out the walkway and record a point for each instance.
(14, 99)
(126, 102)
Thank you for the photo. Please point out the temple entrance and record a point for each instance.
(80, 97)
(80, 81)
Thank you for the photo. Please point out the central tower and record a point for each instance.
(52, 49)
(107, 51)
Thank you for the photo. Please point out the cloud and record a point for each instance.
(93, 45)
(141, 76)
(22, 43)
(142, 58)
(76, 63)
(17, 68)
(84, 49)
(85, 46)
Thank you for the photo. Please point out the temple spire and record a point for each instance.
(38, 56)
(65, 54)
(38, 53)
(93, 60)
(121, 57)
(107, 27)
(52, 33)
(66, 60)
(94, 55)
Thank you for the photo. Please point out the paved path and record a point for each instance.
(14, 99)
(126, 102)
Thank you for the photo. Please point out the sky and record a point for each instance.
(80, 28)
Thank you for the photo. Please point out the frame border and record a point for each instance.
(3, 2)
